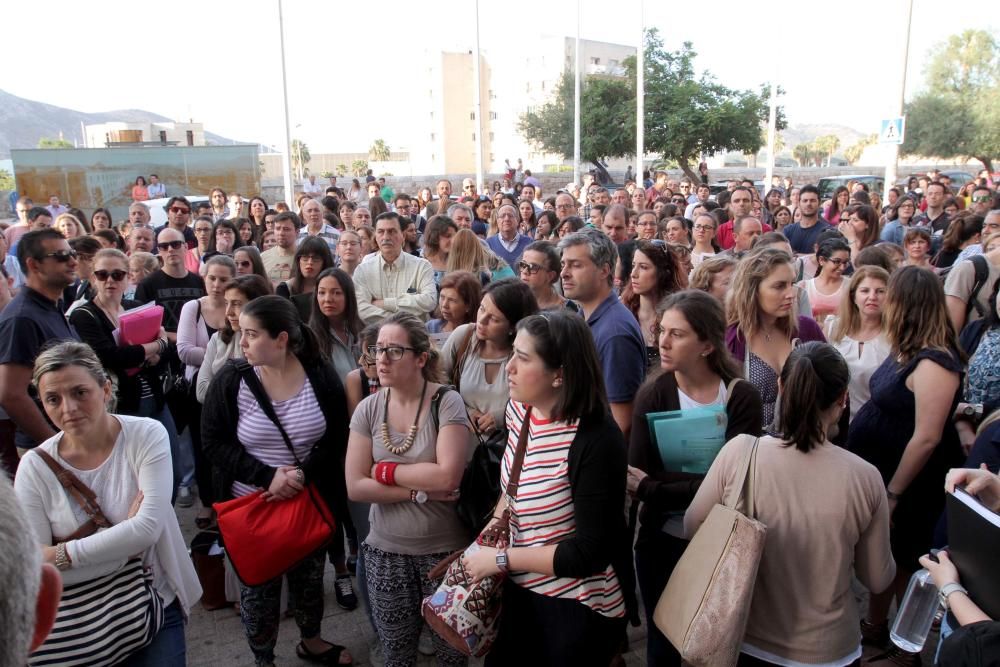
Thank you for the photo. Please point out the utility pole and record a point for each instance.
(478, 103)
(640, 94)
(891, 166)
(286, 160)
(576, 100)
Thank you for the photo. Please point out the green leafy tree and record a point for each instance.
(341, 170)
(300, 157)
(379, 151)
(825, 146)
(957, 115)
(686, 116)
(853, 153)
(49, 142)
(803, 153)
(6, 180)
(359, 167)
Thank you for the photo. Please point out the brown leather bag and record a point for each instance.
(704, 608)
(82, 494)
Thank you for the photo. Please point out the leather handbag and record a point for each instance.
(266, 539)
(463, 612)
(704, 608)
(104, 620)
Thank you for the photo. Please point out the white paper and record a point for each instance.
(968, 499)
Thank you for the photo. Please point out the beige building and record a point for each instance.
(129, 134)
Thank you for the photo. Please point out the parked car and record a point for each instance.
(829, 184)
(957, 176)
(158, 212)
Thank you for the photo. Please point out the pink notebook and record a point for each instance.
(140, 326)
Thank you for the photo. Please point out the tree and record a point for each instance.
(6, 180)
(300, 156)
(803, 153)
(685, 116)
(379, 151)
(853, 153)
(49, 142)
(359, 167)
(341, 170)
(826, 145)
(957, 115)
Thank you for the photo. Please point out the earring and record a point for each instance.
(557, 382)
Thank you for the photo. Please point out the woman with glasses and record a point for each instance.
(917, 246)
(570, 584)
(655, 275)
(647, 226)
(248, 261)
(475, 356)
(697, 372)
(900, 218)
(827, 288)
(704, 239)
(458, 301)
(249, 454)
(539, 269)
(349, 252)
(311, 258)
(224, 240)
(408, 465)
(203, 228)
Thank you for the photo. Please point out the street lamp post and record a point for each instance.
(286, 160)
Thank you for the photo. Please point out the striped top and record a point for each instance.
(301, 417)
(542, 514)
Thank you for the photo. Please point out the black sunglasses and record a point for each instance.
(59, 255)
(117, 275)
(171, 245)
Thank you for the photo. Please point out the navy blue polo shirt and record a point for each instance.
(27, 324)
(620, 347)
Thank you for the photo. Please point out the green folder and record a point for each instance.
(689, 440)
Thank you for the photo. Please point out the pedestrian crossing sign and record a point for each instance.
(892, 130)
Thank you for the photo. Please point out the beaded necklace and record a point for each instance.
(411, 435)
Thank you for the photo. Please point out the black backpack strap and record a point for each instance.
(436, 403)
(982, 268)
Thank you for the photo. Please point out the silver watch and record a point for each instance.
(418, 497)
(62, 562)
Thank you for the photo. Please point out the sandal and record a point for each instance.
(331, 656)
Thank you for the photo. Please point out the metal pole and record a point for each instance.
(478, 103)
(890, 168)
(640, 95)
(286, 160)
(772, 122)
(576, 100)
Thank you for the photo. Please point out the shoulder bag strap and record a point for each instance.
(729, 389)
(740, 495)
(257, 389)
(518, 462)
(82, 494)
(460, 353)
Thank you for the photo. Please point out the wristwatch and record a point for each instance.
(502, 564)
(62, 558)
(948, 589)
(973, 411)
(418, 497)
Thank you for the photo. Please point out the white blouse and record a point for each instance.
(139, 460)
(862, 361)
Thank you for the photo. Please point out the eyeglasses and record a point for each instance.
(531, 269)
(394, 352)
(117, 275)
(171, 245)
(59, 255)
(703, 228)
(646, 223)
(245, 264)
(982, 200)
(179, 210)
(350, 244)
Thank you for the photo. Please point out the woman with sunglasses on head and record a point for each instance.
(408, 465)
(248, 261)
(827, 288)
(655, 275)
(697, 372)
(249, 453)
(539, 269)
(570, 585)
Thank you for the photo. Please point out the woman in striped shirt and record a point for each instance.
(571, 582)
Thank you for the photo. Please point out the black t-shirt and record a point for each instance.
(27, 324)
(171, 293)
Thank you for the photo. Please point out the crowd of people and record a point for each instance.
(365, 342)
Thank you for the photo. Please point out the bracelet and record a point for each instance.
(63, 561)
(892, 496)
(385, 473)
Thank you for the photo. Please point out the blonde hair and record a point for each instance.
(704, 273)
(988, 239)
(743, 302)
(467, 253)
(112, 253)
(80, 229)
(147, 261)
(71, 353)
(848, 318)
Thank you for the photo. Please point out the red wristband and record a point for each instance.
(385, 473)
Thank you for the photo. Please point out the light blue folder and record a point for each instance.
(689, 440)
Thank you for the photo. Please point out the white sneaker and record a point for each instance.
(184, 497)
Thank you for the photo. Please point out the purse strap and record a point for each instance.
(514, 478)
(460, 354)
(82, 494)
(741, 495)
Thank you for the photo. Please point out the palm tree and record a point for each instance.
(826, 145)
(804, 154)
(359, 167)
(379, 151)
(341, 170)
(300, 157)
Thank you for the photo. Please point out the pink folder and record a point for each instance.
(140, 326)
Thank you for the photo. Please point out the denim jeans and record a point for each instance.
(168, 648)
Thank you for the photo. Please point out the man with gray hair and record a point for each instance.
(463, 217)
(138, 214)
(588, 272)
(30, 588)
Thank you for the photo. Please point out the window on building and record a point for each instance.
(473, 136)
(543, 86)
(472, 115)
(493, 115)
(163, 136)
(595, 61)
(491, 139)
(190, 138)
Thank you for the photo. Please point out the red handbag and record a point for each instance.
(266, 539)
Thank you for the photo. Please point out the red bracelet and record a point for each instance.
(385, 473)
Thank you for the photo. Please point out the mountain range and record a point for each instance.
(23, 122)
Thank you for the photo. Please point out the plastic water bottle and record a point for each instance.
(916, 613)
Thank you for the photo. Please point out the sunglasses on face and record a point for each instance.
(982, 200)
(179, 210)
(117, 275)
(59, 255)
(171, 245)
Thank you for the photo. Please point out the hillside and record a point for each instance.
(23, 122)
(804, 134)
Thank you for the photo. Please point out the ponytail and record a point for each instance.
(813, 378)
(306, 346)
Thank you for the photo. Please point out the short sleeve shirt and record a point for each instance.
(171, 293)
(408, 528)
(803, 240)
(620, 347)
(962, 278)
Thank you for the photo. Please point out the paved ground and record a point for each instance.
(216, 639)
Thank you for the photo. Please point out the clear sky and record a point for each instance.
(352, 65)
